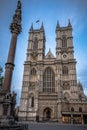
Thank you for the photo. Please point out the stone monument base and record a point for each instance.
(6, 121)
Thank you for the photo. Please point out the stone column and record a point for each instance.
(37, 102)
(15, 29)
(59, 113)
(71, 118)
(60, 100)
(10, 63)
(82, 118)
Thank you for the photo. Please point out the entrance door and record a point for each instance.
(47, 114)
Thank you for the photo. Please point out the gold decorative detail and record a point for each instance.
(34, 55)
(66, 86)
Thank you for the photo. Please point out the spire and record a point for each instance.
(69, 24)
(42, 27)
(15, 26)
(31, 28)
(57, 26)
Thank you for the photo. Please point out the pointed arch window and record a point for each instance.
(48, 80)
(64, 42)
(72, 109)
(35, 45)
(31, 100)
(80, 109)
(33, 71)
(65, 70)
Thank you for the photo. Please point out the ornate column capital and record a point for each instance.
(15, 26)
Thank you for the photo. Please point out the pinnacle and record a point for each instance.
(42, 27)
(58, 24)
(69, 23)
(31, 27)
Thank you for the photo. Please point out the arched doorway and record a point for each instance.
(47, 114)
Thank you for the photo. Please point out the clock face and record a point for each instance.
(64, 56)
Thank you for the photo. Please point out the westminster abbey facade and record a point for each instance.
(50, 92)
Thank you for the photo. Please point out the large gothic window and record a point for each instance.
(65, 70)
(35, 45)
(64, 42)
(48, 80)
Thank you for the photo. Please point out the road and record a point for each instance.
(54, 126)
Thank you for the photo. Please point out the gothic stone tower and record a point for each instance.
(7, 100)
(50, 91)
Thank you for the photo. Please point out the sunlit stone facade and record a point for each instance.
(50, 91)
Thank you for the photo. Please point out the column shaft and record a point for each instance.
(10, 63)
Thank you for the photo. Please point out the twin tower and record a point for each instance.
(64, 44)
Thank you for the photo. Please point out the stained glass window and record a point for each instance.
(49, 80)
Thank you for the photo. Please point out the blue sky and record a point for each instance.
(48, 12)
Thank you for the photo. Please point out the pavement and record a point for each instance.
(55, 126)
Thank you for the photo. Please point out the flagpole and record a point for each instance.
(38, 23)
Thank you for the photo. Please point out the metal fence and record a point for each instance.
(15, 127)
